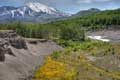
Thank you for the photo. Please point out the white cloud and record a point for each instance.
(91, 1)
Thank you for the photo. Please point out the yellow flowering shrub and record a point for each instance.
(54, 70)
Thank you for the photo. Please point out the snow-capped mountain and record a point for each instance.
(38, 7)
(30, 12)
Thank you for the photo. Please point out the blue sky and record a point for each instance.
(69, 6)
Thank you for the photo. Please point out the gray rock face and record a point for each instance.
(8, 39)
(11, 38)
(8, 34)
(18, 43)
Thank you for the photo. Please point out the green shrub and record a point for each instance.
(56, 55)
(72, 33)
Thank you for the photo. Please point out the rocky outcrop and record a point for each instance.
(18, 43)
(4, 49)
(10, 39)
(8, 34)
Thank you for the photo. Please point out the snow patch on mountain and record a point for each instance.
(38, 7)
(13, 13)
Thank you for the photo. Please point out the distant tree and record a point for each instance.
(73, 33)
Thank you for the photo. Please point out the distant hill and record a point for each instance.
(103, 19)
(87, 12)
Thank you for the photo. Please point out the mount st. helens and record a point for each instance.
(30, 12)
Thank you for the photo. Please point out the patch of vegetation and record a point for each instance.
(73, 33)
(46, 31)
(6, 30)
(56, 55)
(88, 46)
(54, 70)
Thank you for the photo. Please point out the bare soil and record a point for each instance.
(25, 61)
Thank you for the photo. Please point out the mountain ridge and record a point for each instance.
(88, 12)
(30, 12)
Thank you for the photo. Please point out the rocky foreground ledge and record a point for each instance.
(19, 56)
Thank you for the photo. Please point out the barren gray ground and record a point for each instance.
(20, 66)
